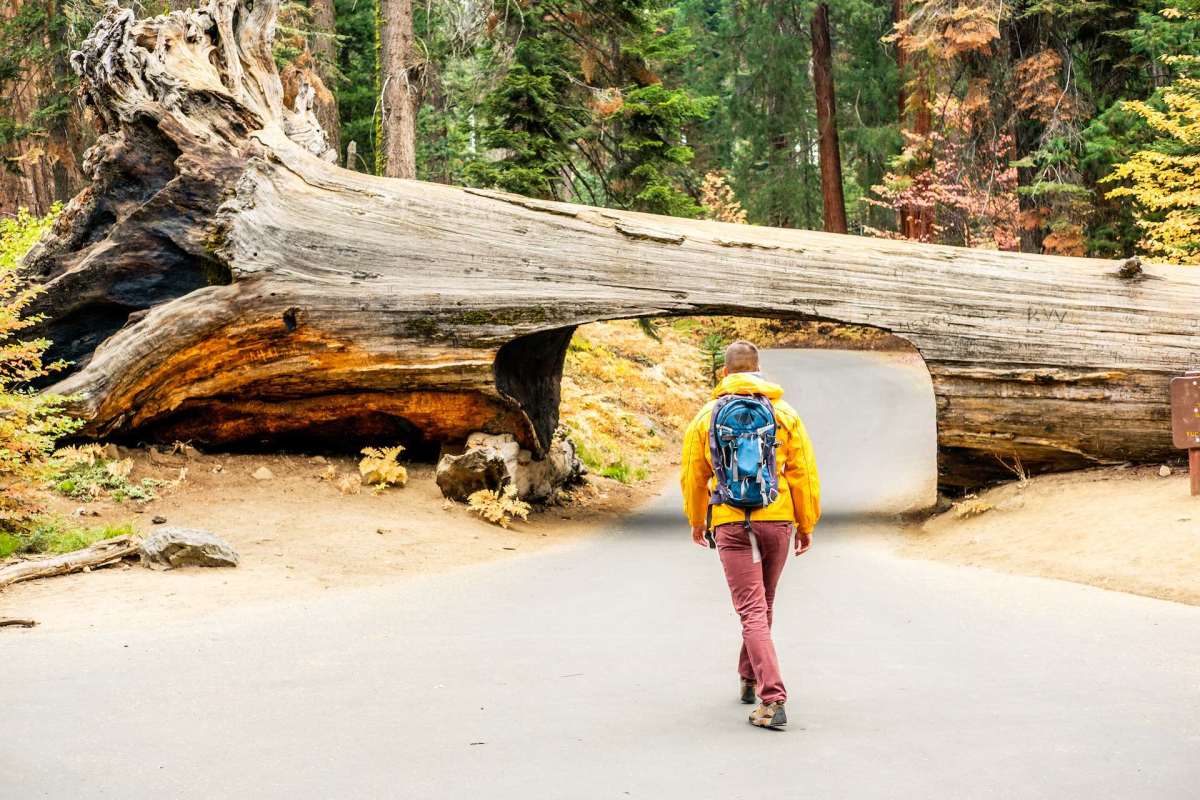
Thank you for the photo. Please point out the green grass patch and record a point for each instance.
(618, 471)
(53, 535)
(589, 457)
(9, 544)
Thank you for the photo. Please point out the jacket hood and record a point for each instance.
(748, 383)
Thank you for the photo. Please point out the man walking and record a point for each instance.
(765, 482)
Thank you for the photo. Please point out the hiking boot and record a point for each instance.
(769, 715)
(749, 691)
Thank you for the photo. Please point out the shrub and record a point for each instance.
(30, 423)
(83, 473)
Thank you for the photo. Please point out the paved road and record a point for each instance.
(872, 420)
(605, 669)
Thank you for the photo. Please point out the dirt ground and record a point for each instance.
(296, 534)
(1129, 530)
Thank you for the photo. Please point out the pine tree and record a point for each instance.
(582, 113)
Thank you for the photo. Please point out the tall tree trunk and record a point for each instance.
(832, 200)
(324, 49)
(899, 14)
(1024, 39)
(42, 167)
(221, 282)
(915, 118)
(400, 74)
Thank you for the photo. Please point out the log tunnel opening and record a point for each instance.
(866, 396)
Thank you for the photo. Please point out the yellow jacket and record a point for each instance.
(799, 498)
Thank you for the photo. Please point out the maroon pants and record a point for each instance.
(752, 586)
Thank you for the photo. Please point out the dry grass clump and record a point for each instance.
(626, 395)
(500, 507)
(971, 506)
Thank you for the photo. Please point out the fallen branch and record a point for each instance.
(100, 554)
(17, 623)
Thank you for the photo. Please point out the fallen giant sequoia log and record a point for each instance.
(222, 281)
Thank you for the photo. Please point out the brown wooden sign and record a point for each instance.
(1185, 422)
(1185, 411)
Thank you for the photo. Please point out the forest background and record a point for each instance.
(1058, 126)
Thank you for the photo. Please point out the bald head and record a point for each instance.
(741, 356)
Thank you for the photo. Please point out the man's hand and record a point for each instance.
(698, 536)
(803, 541)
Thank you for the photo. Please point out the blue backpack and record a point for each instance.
(741, 439)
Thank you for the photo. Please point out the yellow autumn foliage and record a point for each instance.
(1164, 182)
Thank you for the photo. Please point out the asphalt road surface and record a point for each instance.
(606, 669)
(872, 421)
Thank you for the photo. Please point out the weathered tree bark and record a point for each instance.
(221, 282)
(400, 75)
(100, 554)
(832, 199)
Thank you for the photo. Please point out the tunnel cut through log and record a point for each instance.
(221, 280)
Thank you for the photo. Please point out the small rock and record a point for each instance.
(461, 476)
(159, 520)
(263, 474)
(190, 452)
(1164, 471)
(217, 469)
(84, 511)
(382, 531)
(318, 460)
(186, 547)
(110, 452)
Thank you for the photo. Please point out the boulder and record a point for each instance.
(172, 547)
(539, 481)
(461, 476)
(490, 462)
(504, 444)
